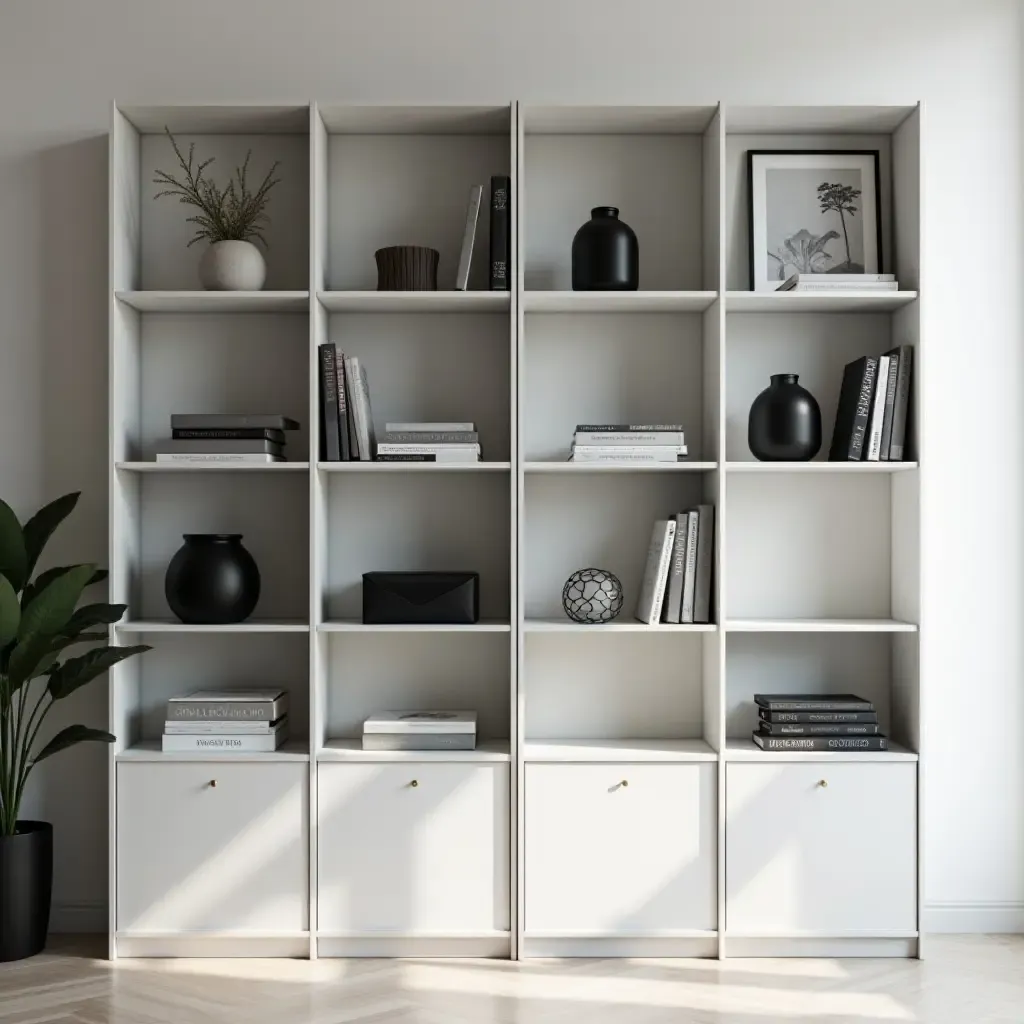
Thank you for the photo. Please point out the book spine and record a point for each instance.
(690, 577)
(219, 458)
(663, 568)
(431, 437)
(878, 411)
(239, 744)
(230, 421)
(816, 705)
(659, 558)
(846, 729)
(900, 405)
(821, 717)
(329, 451)
(364, 399)
(228, 711)
(389, 448)
(350, 411)
(890, 403)
(220, 727)
(386, 457)
(623, 428)
(245, 447)
(705, 563)
(357, 382)
(677, 573)
(394, 741)
(840, 278)
(430, 428)
(500, 233)
(624, 455)
(631, 439)
(213, 434)
(344, 441)
(468, 238)
(848, 442)
(847, 743)
(431, 456)
(845, 286)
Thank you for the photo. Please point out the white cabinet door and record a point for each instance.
(823, 848)
(212, 847)
(413, 848)
(620, 848)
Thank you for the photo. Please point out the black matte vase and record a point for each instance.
(26, 881)
(605, 254)
(785, 422)
(212, 580)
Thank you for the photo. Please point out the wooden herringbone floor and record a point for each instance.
(966, 980)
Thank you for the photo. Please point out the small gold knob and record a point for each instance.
(414, 783)
(213, 783)
(823, 783)
(624, 783)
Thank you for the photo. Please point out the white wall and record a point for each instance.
(62, 61)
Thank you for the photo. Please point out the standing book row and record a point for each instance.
(680, 568)
(872, 418)
(500, 235)
(346, 419)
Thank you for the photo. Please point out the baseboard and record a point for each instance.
(78, 919)
(992, 918)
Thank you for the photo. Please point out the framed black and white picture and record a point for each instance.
(813, 212)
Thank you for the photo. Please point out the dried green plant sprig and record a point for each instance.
(233, 213)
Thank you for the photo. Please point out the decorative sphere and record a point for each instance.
(592, 596)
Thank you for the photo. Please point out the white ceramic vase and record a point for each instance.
(232, 266)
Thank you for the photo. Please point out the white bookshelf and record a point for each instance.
(615, 804)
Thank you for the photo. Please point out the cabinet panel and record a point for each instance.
(824, 848)
(413, 848)
(212, 847)
(620, 848)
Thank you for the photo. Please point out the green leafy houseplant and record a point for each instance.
(40, 621)
(234, 213)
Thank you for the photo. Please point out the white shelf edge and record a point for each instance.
(354, 626)
(540, 301)
(149, 750)
(415, 302)
(820, 467)
(618, 751)
(553, 466)
(819, 626)
(474, 934)
(414, 467)
(653, 933)
(239, 933)
(212, 467)
(548, 625)
(817, 302)
(250, 626)
(896, 933)
(215, 302)
(747, 750)
(490, 751)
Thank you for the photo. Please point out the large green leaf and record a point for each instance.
(39, 529)
(26, 659)
(13, 556)
(49, 611)
(93, 615)
(10, 612)
(47, 577)
(69, 737)
(76, 672)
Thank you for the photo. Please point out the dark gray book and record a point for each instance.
(501, 233)
(414, 457)
(822, 717)
(331, 449)
(900, 412)
(831, 743)
(690, 574)
(846, 729)
(812, 702)
(243, 434)
(677, 572)
(890, 403)
(170, 447)
(258, 705)
(230, 421)
(705, 563)
(344, 438)
(853, 412)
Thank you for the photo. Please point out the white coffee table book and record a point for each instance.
(420, 730)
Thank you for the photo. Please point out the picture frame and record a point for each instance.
(813, 211)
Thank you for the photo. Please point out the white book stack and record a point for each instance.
(429, 442)
(226, 721)
(420, 730)
(840, 283)
(628, 443)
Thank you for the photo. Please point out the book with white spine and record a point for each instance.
(220, 727)
(362, 414)
(420, 722)
(874, 437)
(430, 428)
(629, 439)
(264, 743)
(468, 238)
(218, 458)
(626, 455)
(659, 559)
(854, 280)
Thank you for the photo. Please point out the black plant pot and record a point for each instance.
(212, 579)
(785, 422)
(26, 881)
(605, 254)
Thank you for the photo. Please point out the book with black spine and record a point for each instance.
(232, 421)
(812, 702)
(659, 559)
(705, 563)
(854, 410)
(430, 455)
(245, 434)
(431, 437)
(874, 438)
(629, 439)
(841, 744)
(677, 572)
(890, 403)
(690, 575)
(468, 238)
(501, 234)
(242, 447)
(420, 457)
(900, 412)
(819, 717)
(331, 449)
(344, 440)
(263, 704)
(845, 729)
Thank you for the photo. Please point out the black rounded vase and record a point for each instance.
(26, 881)
(212, 579)
(785, 422)
(605, 254)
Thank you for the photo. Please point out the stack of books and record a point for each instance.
(872, 415)
(628, 443)
(226, 721)
(346, 420)
(840, 283)
(420, 730)
(680, 563)
(806, 721)
(213, 437)
(429, 442)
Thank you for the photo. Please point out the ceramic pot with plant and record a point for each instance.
(41, 622)
(231, 219)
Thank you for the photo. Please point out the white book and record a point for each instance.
(674, 599)
(431, 456)
(362, 414)
(856, 279)
(825, 286)
(419, 723)
(659, 559)
(185, 727)
(429, 428)
(264, 743)
(690, 575)
(625, 456)
(468, 238)
(629, 439)
(408, 448)
(195, 457)
(874, 434)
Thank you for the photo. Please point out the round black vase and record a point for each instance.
(26, 881)
(785, 422)
(212, 579)
(605, 254)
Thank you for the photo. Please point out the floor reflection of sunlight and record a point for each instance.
(249, 969)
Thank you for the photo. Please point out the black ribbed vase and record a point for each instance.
(605, 254)
(407, 268)
(26, 881)
(785, 422)
(212, 580)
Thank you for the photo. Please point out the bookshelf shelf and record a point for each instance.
(817, 584)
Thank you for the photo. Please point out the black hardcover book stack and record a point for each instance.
(806, 721)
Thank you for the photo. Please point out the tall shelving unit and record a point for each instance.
(615, 805)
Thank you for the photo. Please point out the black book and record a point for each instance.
(237, 434)
(839, 744)
(344, 440)
(901, 407)
(817, 717)
(812, 702)
(846, 729)
(330, 450)
(890, 403)
(854, 410)
(407, 458)
(501, 235)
